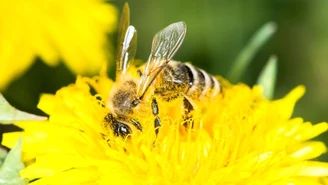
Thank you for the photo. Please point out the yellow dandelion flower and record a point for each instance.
(238, 138)
(73, 31)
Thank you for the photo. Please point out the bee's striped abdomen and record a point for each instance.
(203, 84)
(184, 79)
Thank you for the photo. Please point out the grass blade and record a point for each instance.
(248, 53)
(267, 78)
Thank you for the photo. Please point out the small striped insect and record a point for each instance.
(160, 78)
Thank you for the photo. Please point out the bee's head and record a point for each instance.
(123, 99)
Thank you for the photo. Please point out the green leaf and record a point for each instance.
(9, 171)
(9, 114)
(247, 54)
(267, 78)
(3, 154)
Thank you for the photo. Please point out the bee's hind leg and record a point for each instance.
(155, 110)
(188, 107)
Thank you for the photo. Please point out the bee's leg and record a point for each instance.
(188, 107)
(155, 110)
(136, 124)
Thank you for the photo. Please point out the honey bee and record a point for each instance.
(160, 78)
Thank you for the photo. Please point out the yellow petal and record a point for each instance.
(309, 150)
(74, 31)
(288, 102)
(314, 168)
(238, 137)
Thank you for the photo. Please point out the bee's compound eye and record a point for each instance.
(124, 130)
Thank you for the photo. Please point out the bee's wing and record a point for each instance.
(127, 43)
(165, 44)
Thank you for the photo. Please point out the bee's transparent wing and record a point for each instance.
(127, 50)
(127, 43)
(165, 44)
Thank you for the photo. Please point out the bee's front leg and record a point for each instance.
(155, 110)
(136, 124)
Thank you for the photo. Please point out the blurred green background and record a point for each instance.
(217, 32)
